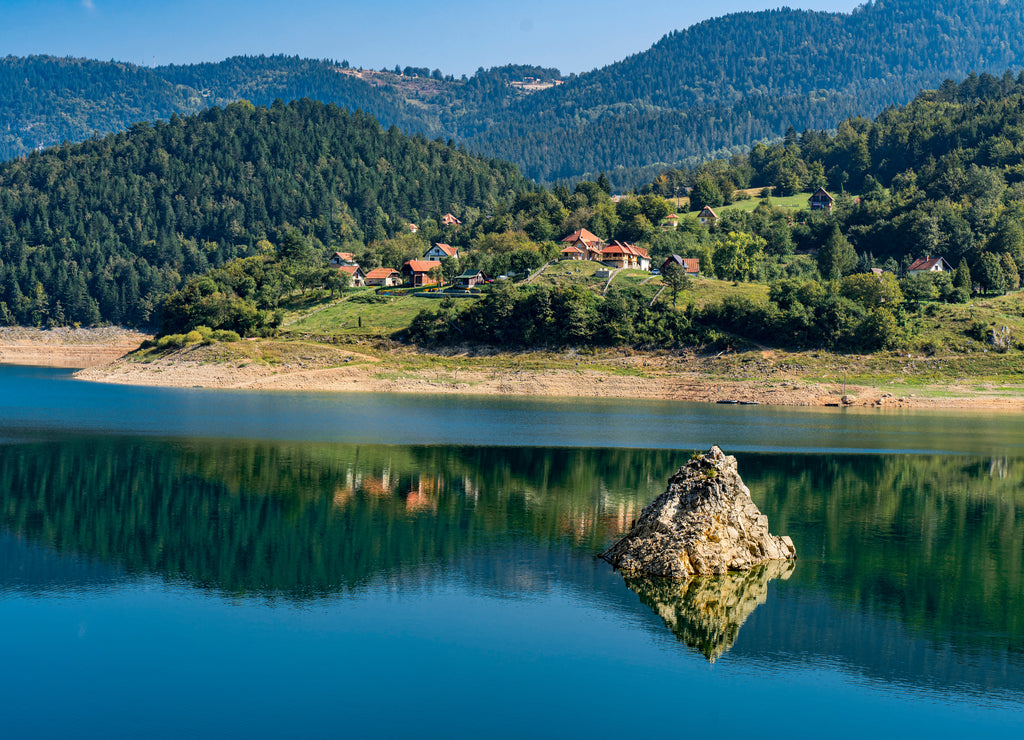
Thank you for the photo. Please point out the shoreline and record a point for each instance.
(313, 367)
(770, 378)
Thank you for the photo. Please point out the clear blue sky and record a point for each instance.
(456, 36)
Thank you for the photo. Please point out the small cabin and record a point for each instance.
(470, 279)
(821, 200)
(690, 265)
(707, 216)
(417, 272)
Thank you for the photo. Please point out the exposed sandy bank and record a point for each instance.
(66, 347)
(291, 366)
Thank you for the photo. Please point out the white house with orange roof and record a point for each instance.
(385, 277)
(353, 271)
(440, 251)
(929, 264)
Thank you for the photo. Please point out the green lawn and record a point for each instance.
(380, 317)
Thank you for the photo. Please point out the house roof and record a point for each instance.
(708, 211)
(447, 249)
(926, 263)
(449, 219)
(350, 269)
(472, 274)
(671, 217)
(572, 250)
(819, 193)
(345, 256)
(379, 273)
(584, 236)
(420, 265)
(690, 264)
(617, 247)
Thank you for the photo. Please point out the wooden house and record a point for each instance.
(470, 279)
(821, 201)
(588, 244)
(417, 272)
(573, 253)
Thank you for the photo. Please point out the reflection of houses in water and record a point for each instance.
(423, 495)
(605, 518)
(706, 613)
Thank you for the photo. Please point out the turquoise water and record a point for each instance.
(195, 562)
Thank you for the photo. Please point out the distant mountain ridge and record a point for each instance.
(710, 89)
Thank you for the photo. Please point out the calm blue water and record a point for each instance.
(196, 562)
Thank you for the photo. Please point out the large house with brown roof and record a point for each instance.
(585, 243)
(385, 277)
(624, 255)
(439, 252)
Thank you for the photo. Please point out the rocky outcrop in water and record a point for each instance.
(706, 613)
(704, 524)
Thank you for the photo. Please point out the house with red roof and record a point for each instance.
(417, 272)
(384, 277)
(573, 253)
(353, 271)
(690, 265)
(342, 258)
(588, 244)
(929, 264)
(450, 220)
(439, 252)
(624, 255)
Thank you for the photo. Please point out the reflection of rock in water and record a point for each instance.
(706, 613)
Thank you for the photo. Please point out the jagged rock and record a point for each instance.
(704, 524)
(849, 398)
(706, 613)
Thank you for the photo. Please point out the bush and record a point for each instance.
(225, 335)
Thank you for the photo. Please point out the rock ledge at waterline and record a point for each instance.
(704, 524)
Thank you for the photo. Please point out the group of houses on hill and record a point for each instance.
(416, 273)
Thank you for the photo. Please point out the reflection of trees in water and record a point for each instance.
(706, 613)
(935, 541)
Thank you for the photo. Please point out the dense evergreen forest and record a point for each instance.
(712, 89)
(102, 231)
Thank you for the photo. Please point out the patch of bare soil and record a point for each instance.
(65, 346)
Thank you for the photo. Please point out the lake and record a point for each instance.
(252, 564)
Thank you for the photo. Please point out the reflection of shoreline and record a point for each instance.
(706, 613)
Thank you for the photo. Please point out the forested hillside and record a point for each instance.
(105, 229)
(943, 176)
(711, 89)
